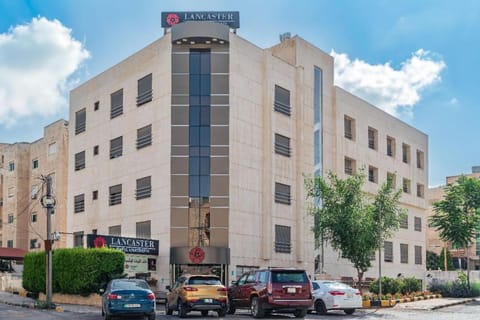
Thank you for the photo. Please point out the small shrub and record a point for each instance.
(411, 285)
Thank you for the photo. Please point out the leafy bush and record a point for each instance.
(389, 286)
(411, 285)
(74, 271)
(458, 288)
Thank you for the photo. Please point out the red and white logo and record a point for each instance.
(173, 19)
(196, 255)
(100, 242)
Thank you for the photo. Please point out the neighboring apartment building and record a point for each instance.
(200, 141)
(435, 244)
(24, 219)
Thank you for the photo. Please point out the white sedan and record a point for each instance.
(332, 295)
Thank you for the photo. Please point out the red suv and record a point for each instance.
(269, 290)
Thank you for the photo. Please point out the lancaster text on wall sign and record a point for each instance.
(127, 245)
(230, 18)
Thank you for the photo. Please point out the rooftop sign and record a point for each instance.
(230, 18)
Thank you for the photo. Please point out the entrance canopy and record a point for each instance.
(12, 254)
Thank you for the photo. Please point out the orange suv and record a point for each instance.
(272, 290)
(197, 293)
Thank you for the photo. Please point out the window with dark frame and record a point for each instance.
(372, 138)
(403, 253)
(420, 190)
(144, 90)
(34, 217)
(282, 193)
(390, 147)
(115, 230)
(80, 161)
(95, 195)
(372, 174)
(404, 222)
(80, 121)
(78, 239)
(282, 239)
(33, 243)
(405, 153)
(418, 254)
(144, 137)
(96, 106)
(349, 166)
(406, 185)
(116, 104)
(115, 195)
(349, 127)
(10, 218)
(417, 224)
(282, 145)
(11, 166)
(144, 188)
(143, 229)
(35, 164)
(9, 243)
(393, 177)
(388, 251)
(116, 147)
(282, 100)
(95, 150)
(420, 160)
(79, 203)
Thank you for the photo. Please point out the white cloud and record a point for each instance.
(394, 90)
(36, 60)
(454, 101)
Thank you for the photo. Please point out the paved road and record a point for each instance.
(469, 311)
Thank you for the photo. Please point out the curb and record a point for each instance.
(451, 304)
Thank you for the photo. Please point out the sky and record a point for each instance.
(417, 60)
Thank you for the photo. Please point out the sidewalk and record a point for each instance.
(432, 304)
(17, 300)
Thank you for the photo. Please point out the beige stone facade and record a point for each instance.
(262, 131)
(24, 219)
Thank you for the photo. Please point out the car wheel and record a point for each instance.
(256, 308)
(204, 313)
(168, 310)
(222, 312)
(152, 316)
(320, 307)
(349, 311)
(300, 313)
(231, 307)
(182, 311)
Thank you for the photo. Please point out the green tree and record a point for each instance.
(433, 261)
(348, 217)
(441, 262)
(457, 216)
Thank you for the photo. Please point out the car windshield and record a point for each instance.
(204, 280)
(289, 276)
(129, 285)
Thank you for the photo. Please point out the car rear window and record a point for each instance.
(337, 285)
(204, 280)
(289, 276)
(129, 285)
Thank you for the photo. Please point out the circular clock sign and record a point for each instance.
(196, 255)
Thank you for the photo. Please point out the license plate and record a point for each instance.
(132, 305)
(291, 290)
(208, 300)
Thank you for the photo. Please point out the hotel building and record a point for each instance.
(201, 140)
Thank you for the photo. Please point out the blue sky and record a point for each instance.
(418, 60)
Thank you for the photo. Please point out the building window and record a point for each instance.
(390, 147)
(10, 218)
(392, 177)
(372, 174)
(52, 148)
(405, 153)
(116, 147)
(144, 136)
(96, 106)
(143, 229)
(349, 127)
(388, 251)
(418, 224)
(11, 192)
(115, 230)
(403, 253)
(9, 243)
(80, 121)
(420, 190)
(78, 239)
(372, 138)
(80, 161)
(350, 166)
(33, 244)
(199, 222)
(34, 217)
(144, 90)
(404, 222)
(282, 145)
(79, 203)
(418, 254)
(144, 188)
(34, 191)
(406, 185)
(95, 150)
(282, 193)
(116, 104)
(420, 160)
(95, 195)
(11, 166)
(35, 164)
(115, 196)
(282, 100)
(282, 239)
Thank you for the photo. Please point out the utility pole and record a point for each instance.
(48, 202)
(380, 253)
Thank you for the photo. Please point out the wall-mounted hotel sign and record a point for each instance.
(127, 245)
(230, 18)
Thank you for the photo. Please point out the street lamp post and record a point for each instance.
(48, 202)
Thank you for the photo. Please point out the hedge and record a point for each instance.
(74, 271)
(396, 285)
